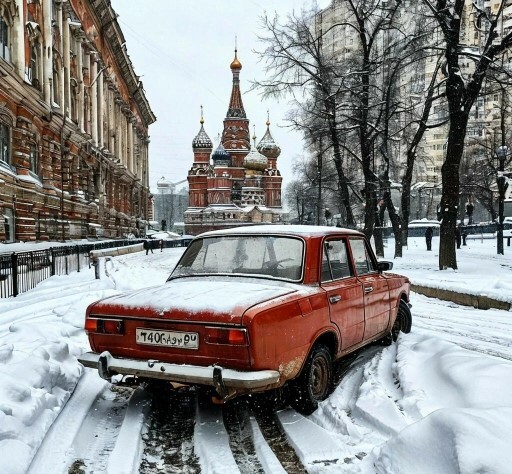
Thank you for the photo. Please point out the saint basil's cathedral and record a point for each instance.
(239, 183)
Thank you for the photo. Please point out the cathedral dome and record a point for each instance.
(202, 140)
(235, 64)
(267, 146)
(255, 161)
(221, 157)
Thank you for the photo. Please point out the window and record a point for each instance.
(362, 260)
(5, 143)
(56, 82)
(335, 263)
(4, 40)
(34, 70)
(33, 158)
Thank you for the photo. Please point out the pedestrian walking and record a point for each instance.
(428, 237)
(161, 244)
(458, 236)
(147, 245)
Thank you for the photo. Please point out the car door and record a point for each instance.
(344, 291)
(375, 288)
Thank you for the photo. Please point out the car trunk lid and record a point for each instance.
(192, 300)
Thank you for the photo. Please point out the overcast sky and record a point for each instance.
(182, 50)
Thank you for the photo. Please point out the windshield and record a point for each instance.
(270, 256)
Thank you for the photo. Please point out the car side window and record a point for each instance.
(335, 262)
(362, 260)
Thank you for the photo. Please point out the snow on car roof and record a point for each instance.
(302, 230)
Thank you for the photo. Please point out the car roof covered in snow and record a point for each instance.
(297, 230)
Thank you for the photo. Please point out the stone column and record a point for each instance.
(66, 47)
(19, 40)
(94, 99)
(47, 50)
(60, 72)
(80, 64)
(130, 146)
(101, 117)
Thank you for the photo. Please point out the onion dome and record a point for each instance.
(235, 64)
(202, 140)
(267, 146)
(255, 160)
(221, 157)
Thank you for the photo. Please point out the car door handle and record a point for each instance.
(368, 289)
(334, 298)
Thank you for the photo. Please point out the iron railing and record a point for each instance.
(22, 271)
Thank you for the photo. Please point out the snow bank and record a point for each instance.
(464, 411)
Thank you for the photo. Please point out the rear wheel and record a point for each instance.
(403, 323)
(314, 382)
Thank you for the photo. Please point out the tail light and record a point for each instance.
(104, 326)
(229, 336)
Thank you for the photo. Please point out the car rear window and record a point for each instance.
(270, 256)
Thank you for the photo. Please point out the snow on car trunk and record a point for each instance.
(191, 298)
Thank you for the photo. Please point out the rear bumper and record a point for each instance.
(224, 380)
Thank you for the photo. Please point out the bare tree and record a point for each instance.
(461, 93)
(296, 66)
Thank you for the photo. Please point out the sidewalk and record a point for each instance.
(483, 278)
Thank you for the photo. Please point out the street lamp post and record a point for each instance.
(501, 155)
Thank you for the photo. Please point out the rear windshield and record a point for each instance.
(269, 256)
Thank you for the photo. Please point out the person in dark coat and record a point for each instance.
(147, 246)
(428, 237)
(458, 236)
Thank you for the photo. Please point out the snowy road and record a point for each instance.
(389, 401)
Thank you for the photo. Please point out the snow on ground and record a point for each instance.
(437, 401)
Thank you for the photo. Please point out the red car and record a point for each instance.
(251, 309)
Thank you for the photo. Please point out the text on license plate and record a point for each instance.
(155, 337)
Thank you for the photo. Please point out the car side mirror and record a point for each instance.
(384, 266)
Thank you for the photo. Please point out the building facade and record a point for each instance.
(238, 183)
(73, 124)
(170, 205)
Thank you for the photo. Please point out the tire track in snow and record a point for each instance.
(98, 433)
(238, 426)
(169, 436)
(275, 436)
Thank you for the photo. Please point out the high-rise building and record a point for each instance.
(239, 183)
(74, 124)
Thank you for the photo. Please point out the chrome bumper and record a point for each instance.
(224, 380)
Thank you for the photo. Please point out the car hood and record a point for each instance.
(193, 299)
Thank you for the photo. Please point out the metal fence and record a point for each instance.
(22, 271)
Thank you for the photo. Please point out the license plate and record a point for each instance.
(156, 337)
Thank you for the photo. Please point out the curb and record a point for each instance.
(479, 302)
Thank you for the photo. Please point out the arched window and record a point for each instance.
(34, 71)
(56, 82)
(74, 100)
(5, 52)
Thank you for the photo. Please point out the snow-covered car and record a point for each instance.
(251, 309)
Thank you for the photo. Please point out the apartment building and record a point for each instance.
(483, 130)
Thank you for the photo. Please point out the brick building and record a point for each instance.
(237, 184)
(73, 124)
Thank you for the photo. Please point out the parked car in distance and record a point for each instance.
(251, 309)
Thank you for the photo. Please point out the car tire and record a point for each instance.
(403, 323)
(314, 383)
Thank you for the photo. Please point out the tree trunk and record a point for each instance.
(450, 196)
(342, 179)
(395, 223)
